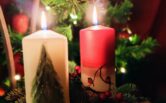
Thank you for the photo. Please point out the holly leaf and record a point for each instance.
(127, 88)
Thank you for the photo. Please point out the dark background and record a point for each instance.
(149, 19)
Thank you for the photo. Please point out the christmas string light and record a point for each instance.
(123, 70)
(17, 77)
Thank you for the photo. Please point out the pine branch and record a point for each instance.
(46, 85)
(133, 49)
(120, 12)
(16, 95)
(63, 8)
(16, 40)
(127, 88)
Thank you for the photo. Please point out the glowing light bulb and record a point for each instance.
(17, 77)
(47, 8)
(115, 69)
(130, 38)
(123, 70)
(74, 22)
(73, 16)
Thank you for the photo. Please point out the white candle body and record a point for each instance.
(56, 48)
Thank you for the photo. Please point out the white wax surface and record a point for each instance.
(57, 49)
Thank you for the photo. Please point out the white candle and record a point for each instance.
(56, 47)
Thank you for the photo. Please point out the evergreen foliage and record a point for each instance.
(133, 49)
(120, 12)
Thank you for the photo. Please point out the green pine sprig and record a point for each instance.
(120, 13)
(16, 40)
(63, 8)
(16, 96)
(133, 49)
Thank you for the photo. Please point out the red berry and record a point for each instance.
(102, 96)
(108, 93)
(2, 92)
(90, 81)
(119, 96)
(20, 23)
(74, 74)
(18, 65)
(124, 35)
(78, 69)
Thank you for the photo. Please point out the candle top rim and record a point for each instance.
(98, 27)
(45, 34)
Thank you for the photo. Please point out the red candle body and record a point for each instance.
(97, 47)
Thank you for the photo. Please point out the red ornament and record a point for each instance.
(2, 92)
(119, 96)
(20, 23)
(124, 35)
(78, 69)
(74, 74)
(18, 65)
(102, 96)
(108, 93)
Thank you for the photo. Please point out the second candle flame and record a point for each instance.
(43, 21)
(95, 21)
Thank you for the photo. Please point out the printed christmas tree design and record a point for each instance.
(46, 86)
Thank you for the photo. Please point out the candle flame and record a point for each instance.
(95, 22)
(43, 21)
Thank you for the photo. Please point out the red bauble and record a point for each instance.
(119, 97)
(124, 35)
(78, 69)
(108, 93)
(18, 65)
(74, 74)
(2, 92)
(20, 23)
(90, 81)
(102, 96)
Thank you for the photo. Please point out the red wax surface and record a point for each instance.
(97, 46)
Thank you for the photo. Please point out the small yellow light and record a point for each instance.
(17, 77)
(130, 38)
(73, 16)
(123, 70)
(129, 31)
(75, 22)
(47, 8)
(115, 69)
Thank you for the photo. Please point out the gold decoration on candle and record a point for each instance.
(46, 86)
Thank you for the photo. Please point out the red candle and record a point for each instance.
(97, 46)
(97, 57)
